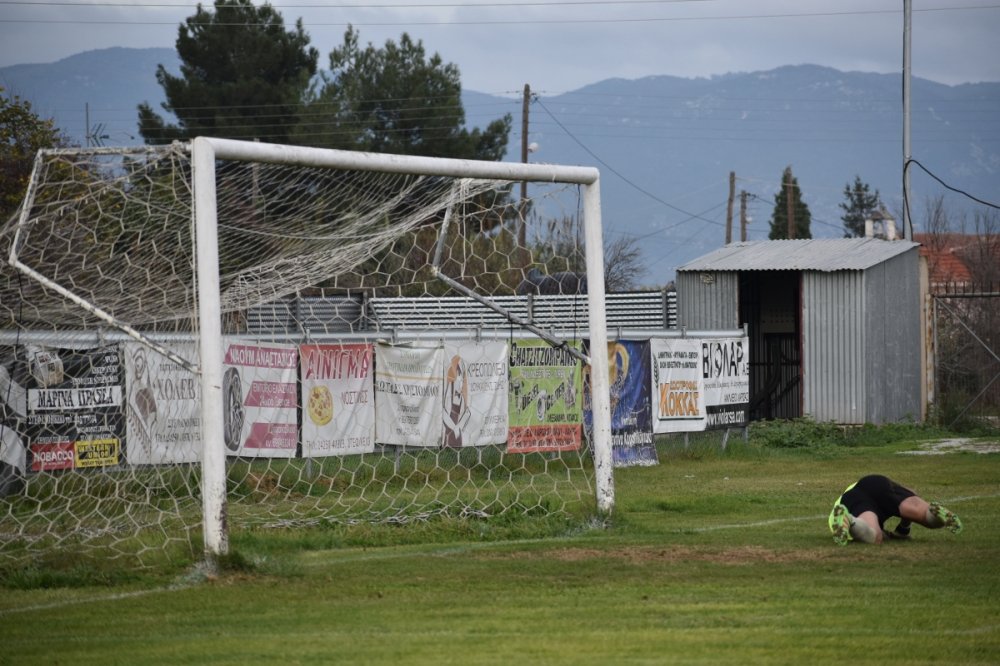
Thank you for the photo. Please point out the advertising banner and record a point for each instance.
(260, 393)
(338, 399)
(67, 407)
(631, 409)
(163, 405)
(678, 389)
(474, 394)
(408, 382)
(545, 398)
(725, 369)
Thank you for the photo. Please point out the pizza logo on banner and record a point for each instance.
(320, 405)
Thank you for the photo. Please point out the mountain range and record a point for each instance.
(665, 145)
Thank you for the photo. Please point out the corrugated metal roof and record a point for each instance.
(816, 254)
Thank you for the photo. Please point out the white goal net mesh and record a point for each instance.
(359, 385)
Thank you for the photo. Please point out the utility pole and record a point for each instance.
(790, 205)
(907, 224)
(743, 215)
(729, 208)
(523, 208)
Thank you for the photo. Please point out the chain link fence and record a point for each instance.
(967, 354)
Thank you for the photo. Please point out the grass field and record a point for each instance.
(712, 557)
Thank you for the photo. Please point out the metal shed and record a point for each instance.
(835, 325)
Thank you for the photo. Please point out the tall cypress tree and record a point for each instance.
(799, 210)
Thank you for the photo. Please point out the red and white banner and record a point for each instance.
(260, 395)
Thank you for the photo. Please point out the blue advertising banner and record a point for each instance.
(631, 407)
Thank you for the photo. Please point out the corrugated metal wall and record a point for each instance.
(861, 343)
(708, 301)
(893, 346)
(336, 314)
(833, 346)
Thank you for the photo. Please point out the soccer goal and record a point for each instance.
(208, 337)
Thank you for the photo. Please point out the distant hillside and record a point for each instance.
(664, 145)
(113, 82)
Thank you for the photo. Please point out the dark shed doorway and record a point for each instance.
(770, 307)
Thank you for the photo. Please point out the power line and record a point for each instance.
(431, 121)
(434, 5)
(616, 172)
(611, 119)
(678, 245)
(493, 22)
(946, 185)
(729, 98)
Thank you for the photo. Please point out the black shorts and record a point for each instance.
(878, 494)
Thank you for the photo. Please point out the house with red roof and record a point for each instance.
(960, 262)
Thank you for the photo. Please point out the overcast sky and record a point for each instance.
(561, 45)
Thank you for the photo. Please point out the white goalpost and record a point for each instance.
(141, 283)
(206, 151)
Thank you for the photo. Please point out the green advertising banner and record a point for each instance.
(545, 399)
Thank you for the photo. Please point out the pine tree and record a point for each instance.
(396, 99)
(243, 76)
(858, 205)
(800, 211)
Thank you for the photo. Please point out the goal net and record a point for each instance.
(208, 338)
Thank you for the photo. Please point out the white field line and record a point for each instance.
(87, 600)
(448, 551)
(759, 523)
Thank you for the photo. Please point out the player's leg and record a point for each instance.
(902, 530)
(866, 529)
(840, 524)
(845, 527)
(929, 514)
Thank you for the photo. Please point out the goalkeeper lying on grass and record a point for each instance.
(861, 511)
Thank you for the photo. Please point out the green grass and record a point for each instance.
(711, 557)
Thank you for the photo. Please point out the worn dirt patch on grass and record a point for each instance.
(645, 554)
